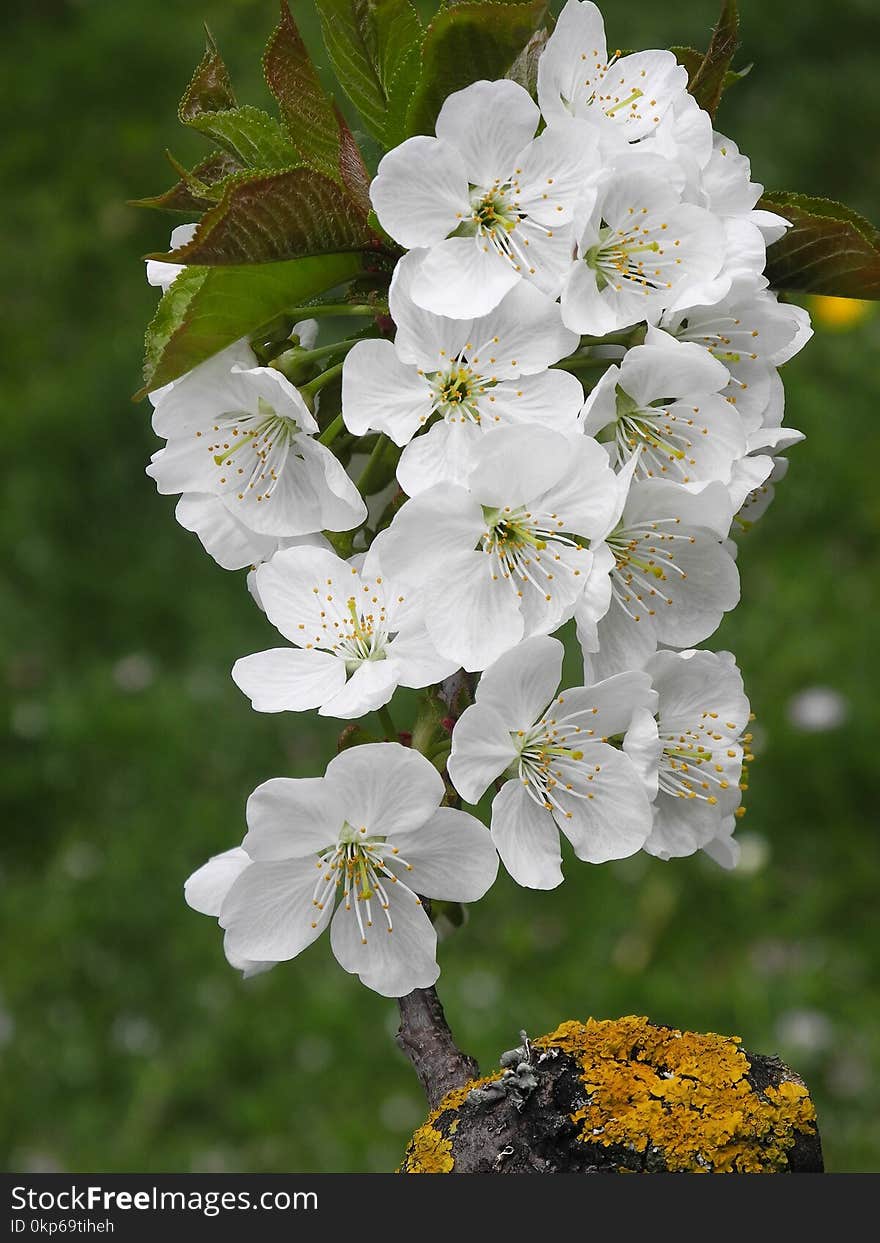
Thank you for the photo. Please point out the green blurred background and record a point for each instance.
(127, 1043)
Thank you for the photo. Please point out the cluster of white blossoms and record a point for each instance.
(583, 378)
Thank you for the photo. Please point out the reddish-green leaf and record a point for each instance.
(307, 112)
(194, 192)
(210, 88)
(707, 79)
(691, 59)
(279, 216)
(207, 309)
(830, 249)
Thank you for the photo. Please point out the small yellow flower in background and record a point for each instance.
(839, 314)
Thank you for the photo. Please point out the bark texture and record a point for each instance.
(425, 1038)
(623, 1096)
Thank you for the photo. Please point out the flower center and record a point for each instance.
(250, 451)
(701, 761)
(457, 392)
(526, 547)
(360, 871)
(496, 208)
(644, 556)
(632, 256)
(365, 638)
(662, 438)
(553, 761)
(496, 221)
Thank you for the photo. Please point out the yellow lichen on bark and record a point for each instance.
(429, 1150)
(683, 1095)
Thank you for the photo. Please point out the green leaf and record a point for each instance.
(207, 309)
(302, 101)
(373, 47)
(195, 191)
(275, 217)
(706, 82)
(830, 249)
(250, 135)
(210, 88)
(464, 44)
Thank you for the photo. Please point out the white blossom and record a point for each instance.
(627, 96)
(563, 773)
(244, 436)
(690, 752)
(357, 849)
(508, 555)
(459, 379)
(356, 637)
(641, 252)
(671, 579)
(663, 404)
(491, 204)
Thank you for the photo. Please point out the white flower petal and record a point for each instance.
(294, 587)
(606, 707)
(285, 679)
(392, 963)
(488, 124)
(341, 505)
(682, 826)
(381, 393)
(420, 191)
(269, 914)
(559, 172)
(426, 340)
(526, 838)
(461, 278)
(552, 399)
(472, 618)
(292, 818)
(482, 750)
(385, 787)
(642, 746)
(226, 539)
(452, 857)
(521, 684)
(370, 686)
(529, 330)
(416, 661)
(513, 465)
(444, 454)
(615, 822)
(208, 886)
(572, 57)
(445, 519)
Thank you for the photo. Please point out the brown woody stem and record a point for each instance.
(425, 1038)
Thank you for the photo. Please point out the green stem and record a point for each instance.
(582, 363)
(387, 723)
(324, 351)
(331, 431)
(326, 377)
(340, 309)
(366, 476)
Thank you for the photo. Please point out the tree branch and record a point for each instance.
(425, 1038)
